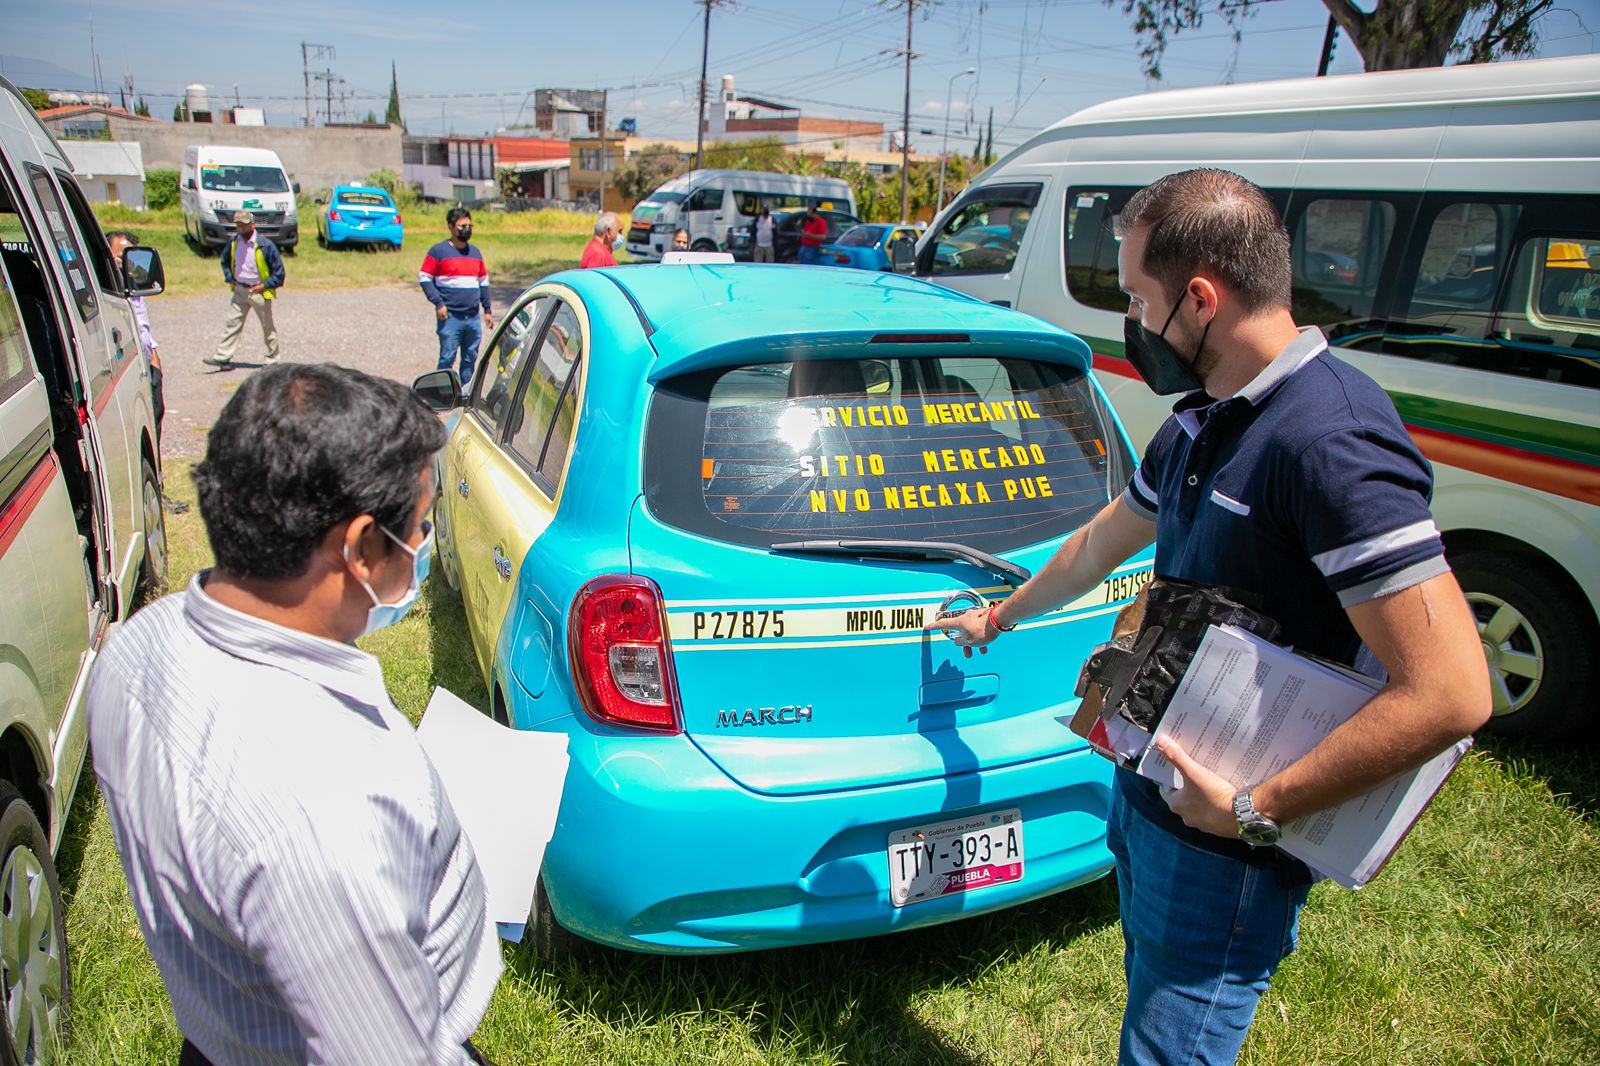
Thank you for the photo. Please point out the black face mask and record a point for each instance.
(463, 233)
(1162, 368)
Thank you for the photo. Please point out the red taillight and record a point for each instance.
(620, 654)
(333, 216)
(398, 221)
(921, 338)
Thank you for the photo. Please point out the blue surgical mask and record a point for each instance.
(382, 614)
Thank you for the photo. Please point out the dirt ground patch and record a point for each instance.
(387, 330)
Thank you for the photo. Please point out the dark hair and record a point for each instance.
(1216, 224)
(113, 234)
(299, 449)
(454, 215)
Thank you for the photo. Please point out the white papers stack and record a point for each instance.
(505, 785)
(1247, 708)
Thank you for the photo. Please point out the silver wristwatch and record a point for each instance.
(1255, 828)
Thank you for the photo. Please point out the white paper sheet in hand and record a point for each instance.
(505, 785)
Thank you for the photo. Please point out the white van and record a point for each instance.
(219, 179)
(1446, 237)
(80, 526)
(719, 207)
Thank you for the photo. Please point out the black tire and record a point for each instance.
(153, 570)
(1537, 633)
(288, 249)
(38, 991)
(703, 245)
(553, 942)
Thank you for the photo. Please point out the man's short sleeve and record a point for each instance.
(1141, 495)
(1359, 497)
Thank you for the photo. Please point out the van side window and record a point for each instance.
(98, 252)
(705, 199)
(16, 363)
(65, 242)
(543, 403)
(1092, 247)
(983, 233)
(1337, 254)
(1548, 322)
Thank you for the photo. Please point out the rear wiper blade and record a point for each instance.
(909, 549)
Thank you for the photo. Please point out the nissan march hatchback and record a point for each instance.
(700, 515)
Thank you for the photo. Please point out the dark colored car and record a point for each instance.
(786, 234)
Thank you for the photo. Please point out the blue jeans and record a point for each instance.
(463, 334)
(808, 255)
(1202, 936)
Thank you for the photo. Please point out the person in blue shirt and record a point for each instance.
(1285, 473)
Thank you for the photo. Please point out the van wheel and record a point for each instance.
(35, 980)
(153, 573)
(703, 245)
(1534, 632)
(553, 942)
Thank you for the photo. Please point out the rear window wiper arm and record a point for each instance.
(1013, 574)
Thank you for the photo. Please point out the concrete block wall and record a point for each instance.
(317, 158)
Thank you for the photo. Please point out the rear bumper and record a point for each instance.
(656, 850)
(339, 233)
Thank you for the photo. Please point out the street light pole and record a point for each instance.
(944, 142)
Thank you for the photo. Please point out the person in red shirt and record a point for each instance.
(813, 232)
(607, 235)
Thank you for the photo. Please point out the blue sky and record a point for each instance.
(469, 67)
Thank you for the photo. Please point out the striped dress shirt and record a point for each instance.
(298, 872)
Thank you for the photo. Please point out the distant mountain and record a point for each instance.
(42, 74)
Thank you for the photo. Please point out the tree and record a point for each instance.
(1394, 35)
(392, 115)
(160, 188)
(37, 99)
(762, 153)
(141, 108)
(646, 169)
(179, 112)
(371, 119)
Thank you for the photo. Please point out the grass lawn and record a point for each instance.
(1479, 944)
(518, 248)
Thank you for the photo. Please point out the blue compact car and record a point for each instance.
(699, 515)
(866, 246)
(356, 214)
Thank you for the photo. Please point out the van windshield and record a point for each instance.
(995, 453)
(223, 177)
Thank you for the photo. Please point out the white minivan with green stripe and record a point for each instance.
(1446, 238)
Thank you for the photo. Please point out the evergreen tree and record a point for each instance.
(988, 152)
(392, 116)
(142, 108)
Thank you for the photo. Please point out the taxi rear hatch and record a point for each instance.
(803, 522)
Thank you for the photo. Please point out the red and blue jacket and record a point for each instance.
(455, 279)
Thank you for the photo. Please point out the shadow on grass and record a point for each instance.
(1570, 771)
(797, 993)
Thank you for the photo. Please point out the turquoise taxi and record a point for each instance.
(699, 515)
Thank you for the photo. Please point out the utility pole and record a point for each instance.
(905, 119)
(705, 53)
(1327, 46)
(308, 52)
(604, 99)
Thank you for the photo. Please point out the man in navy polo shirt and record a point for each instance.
(1285, 473)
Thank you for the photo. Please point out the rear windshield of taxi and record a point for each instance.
(995, 453)
(365, 199)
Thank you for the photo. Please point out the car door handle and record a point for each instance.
(501, 564)
(462, 486)
(1001, 303)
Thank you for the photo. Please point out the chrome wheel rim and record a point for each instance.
(31, 958)
(1512, 649)
(155, 528)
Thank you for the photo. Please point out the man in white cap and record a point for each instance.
(253, 269)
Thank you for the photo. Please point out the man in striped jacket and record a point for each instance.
(456, 282)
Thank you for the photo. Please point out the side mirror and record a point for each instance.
(190, 184)
(439, 389)
(902, 255)
(142, 273)
(295, 186)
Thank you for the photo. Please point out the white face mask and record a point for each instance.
(382, 614)
(616, 242)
